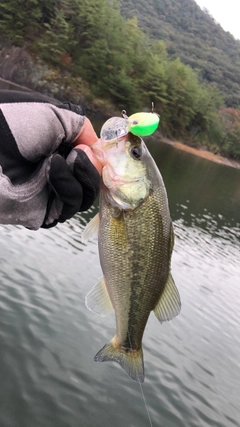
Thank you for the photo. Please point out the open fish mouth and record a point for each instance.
(121, 181)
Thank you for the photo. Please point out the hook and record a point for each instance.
(124, 114)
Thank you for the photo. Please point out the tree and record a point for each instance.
(19, 20)
(229, 119)
(58, 38)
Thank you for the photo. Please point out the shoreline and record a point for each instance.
(203, 153)
(177, 144)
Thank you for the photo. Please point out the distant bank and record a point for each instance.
(203, 153)
(6, 84)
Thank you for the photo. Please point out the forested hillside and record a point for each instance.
(193, 36)
(97, 53)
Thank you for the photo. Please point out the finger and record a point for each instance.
(91, 157)
(87, 134)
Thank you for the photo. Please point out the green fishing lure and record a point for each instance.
(143, 124)
(139, 124)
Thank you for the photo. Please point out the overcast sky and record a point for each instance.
(226, 13)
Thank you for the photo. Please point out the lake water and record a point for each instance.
(48, 338)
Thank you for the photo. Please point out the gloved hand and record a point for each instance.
(75, 181)
(48, 171)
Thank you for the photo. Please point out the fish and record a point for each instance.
(135, 241)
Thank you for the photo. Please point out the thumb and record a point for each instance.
(87, 134)
(91, 157)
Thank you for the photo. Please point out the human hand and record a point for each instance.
(94, 160)
(75, 182)
(87, 134)
(76, 179)
(87, 137)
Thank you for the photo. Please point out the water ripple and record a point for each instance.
(48, 339)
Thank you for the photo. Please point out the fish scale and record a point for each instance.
(142, 264)
(135, 241)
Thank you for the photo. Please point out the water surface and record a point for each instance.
(48, 338)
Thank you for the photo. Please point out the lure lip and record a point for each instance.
(114, 128)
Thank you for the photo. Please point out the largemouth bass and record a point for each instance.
(135, 238)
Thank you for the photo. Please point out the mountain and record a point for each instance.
(126, 54)
(192, 35)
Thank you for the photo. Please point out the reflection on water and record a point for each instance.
(205, 186)
(48, 338)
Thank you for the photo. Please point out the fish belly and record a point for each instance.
(135, 255)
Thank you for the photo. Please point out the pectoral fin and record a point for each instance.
(91, 230)
(98, 300)
(169, 304)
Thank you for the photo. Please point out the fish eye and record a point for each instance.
(136, 152)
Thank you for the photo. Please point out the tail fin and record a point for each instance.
(130, 360)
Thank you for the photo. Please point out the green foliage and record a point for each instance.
(57, 39)
(193, 36)
(120, 63)
(229, 120)
(19, 20)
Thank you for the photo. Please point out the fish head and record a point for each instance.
(125, 174)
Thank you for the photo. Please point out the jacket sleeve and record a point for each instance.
(39, 128)
(32, 129)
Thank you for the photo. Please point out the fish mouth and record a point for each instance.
(116, 181)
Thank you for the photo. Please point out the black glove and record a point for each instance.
(75, 185)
